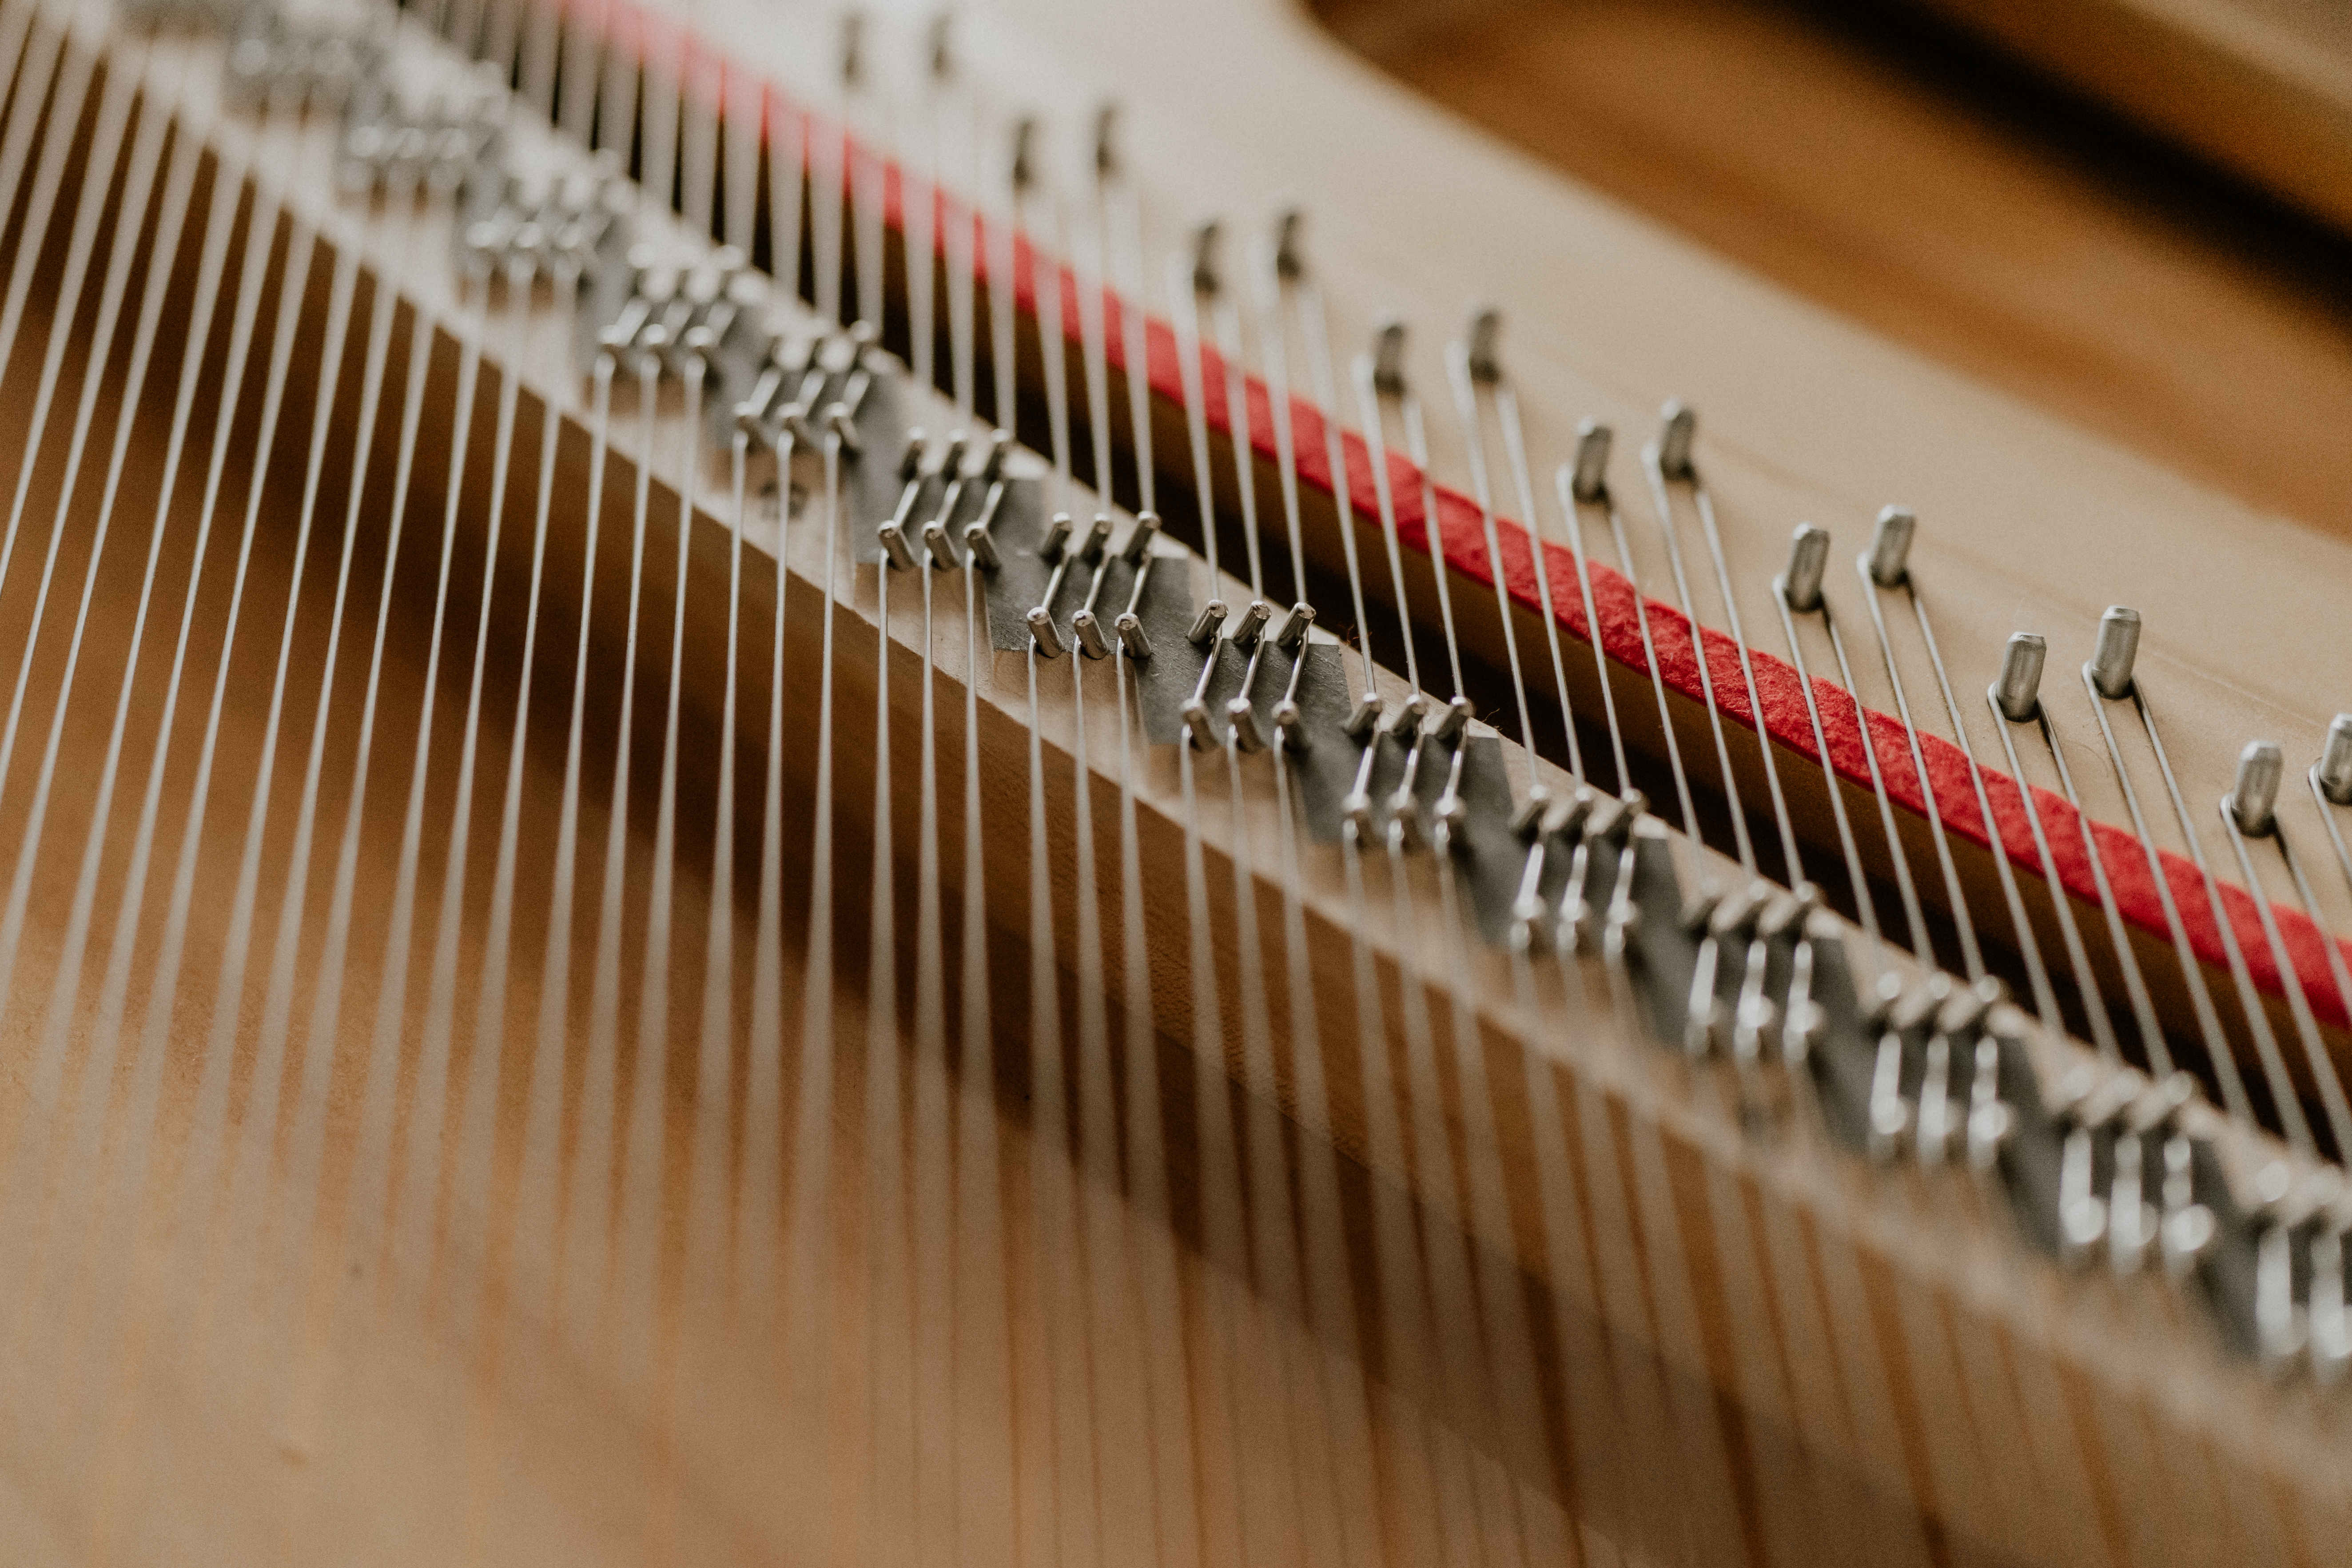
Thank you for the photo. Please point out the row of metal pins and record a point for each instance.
(1866, 892)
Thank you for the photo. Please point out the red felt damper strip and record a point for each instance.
(1461, 535)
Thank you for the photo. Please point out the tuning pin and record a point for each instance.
(950, 457)
(2252, 804)
(1089, 633)
(1890, 546)
(1486, 343)
(978, 537)
(894, 548)
(1207, 623)
(1139, 538)
(992, 467)
(1527, 818)
(1588, 479)
(838, 424)
(1098, 535)
(1057, 537)
(1042, 630)
(1990, 1121)
(1130, 628)
(1809, 555)
(1252, 626)
(910, 455)
(1293, 631)
(1453, 721)
(2189, 1228)
(1195, 714)
(1243, 718)
(2334, 772)
(1204, 257)
(1448, 819)
(1388, 358)
(853, 48)
(1405, 722)
(1679, 425)
(1289, 255)
(940, 46)
(1106, 141)
(1364, 717)
(2118, 647)
(1025, 154)
(943, 553)
(2019, 690)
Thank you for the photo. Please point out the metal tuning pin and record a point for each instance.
(1451, 816)
(1207, 624)
(1205, 240)
(2189, 1228)
(2110, 668)
(893, 534)
(1529, 816)
(2280, 1324)
(1292, 634)
(978, 537)
(1131, 635)
(1252, 626)
(1139, 538)
(1388, 358)
(1451, 723)
(1040, 630)
(853, 49)
(1097, 536)
(1589, 476)
(1486, 338)
(1057, 538)
(1714, 918)
(1620, 927)
(843, 429)
(1808, 557)
(1106, 142)
(2334, 773)
(991, 467)
(1405, 722)
(1403, 808)
(1025, 154)
(1290, 249)
(2018, 692)
(1990, 1121)
(1678, 425)
(1089, 633)
(1889, 559)
(939, 46)
(1364, 717)
(940, 548)
(1242, 717)
(2253, 802)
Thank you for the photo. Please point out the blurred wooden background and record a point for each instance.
(2125, 212)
